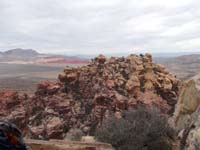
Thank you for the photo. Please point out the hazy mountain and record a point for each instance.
(170, 55)
(32, 56)
(22, 52)
(19, 55)
(184, 66)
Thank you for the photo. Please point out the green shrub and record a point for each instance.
(139, 129)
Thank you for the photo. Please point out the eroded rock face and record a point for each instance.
(12, 107)
(187, 114)
(85, 95)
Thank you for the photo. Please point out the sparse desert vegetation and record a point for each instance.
(138, 129)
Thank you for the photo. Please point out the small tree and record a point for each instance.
(139, 129)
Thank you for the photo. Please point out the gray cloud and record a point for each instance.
(105, 26)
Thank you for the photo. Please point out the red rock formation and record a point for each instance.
(85, 95)
(12, 107)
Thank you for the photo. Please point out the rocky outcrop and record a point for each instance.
(12, 107)
(85, 95)
(187, 115)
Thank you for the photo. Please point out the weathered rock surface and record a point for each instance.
(66, 145)
(12, 107)
(85, 95)
(187, 114)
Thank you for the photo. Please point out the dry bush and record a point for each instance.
(139, 129)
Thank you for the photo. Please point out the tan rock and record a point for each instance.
(189, 98)
(148, 86)
(54, 128)
(66, 145)
(187, 114)
(88, 139)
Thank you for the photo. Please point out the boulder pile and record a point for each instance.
(83, 96)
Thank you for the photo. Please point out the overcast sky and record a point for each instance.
(100, 26)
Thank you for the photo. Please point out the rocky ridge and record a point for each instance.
(84, 96)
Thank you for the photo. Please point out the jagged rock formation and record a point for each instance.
(187, 115)
(85, 95)
(12, 107)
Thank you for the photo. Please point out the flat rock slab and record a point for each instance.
(66, 145)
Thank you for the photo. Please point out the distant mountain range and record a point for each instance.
(27, 56)
(184, 66)
(155, 55)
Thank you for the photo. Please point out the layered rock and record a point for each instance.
(187, 114)
(85, 95)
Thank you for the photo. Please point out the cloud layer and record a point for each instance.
(104, 26)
